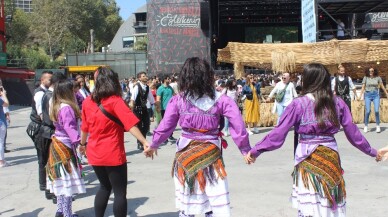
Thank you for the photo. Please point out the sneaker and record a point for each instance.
(171, 138)
(256, 130)
(59, 214)
(378, 130)
(4, 164)
(84, 160)
(49, 196)
(365, 129)
(7, 151)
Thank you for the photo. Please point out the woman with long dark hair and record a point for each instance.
(371, 85)
(318, 184)
(230, 90)
(199, 175)
(63, 170)
(105, 118)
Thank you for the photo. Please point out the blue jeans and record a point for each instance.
(226, 125)
(279, 110)
(372, 96)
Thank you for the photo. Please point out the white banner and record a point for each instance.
(309, 21)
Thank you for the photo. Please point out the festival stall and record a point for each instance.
(356, 55)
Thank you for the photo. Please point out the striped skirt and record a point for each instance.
(63, 171)
(200, 180)
(319, 187)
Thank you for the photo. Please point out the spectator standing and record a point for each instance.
(340, 30)
(3, 125)
(83, 91)
(141, 93)
(371, 85)
(163, 96)
(105, 118)
(8, 119)
(251, 91)
(36, 123)
(341, 86)
(231, 92)
(286, 89)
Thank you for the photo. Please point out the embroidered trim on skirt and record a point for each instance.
(319, 187)
(200, 180)
(63, 171)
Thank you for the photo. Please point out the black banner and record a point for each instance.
(174, 34)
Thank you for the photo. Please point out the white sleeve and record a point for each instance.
(38, 102)
(351, 85)
(333, 84)
(6, 110)
(150, 97)
(135, 92)
(273, 91)
(294, 93)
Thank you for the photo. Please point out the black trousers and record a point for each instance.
(144, 123)
(111, 177)
(42, 146)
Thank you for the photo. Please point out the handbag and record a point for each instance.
(249, 96)
(279, 96)
(110, 116)
(33, 130)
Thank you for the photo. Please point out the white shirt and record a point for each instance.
(83, 92)
(289, 95)
(174, 86)
(340, 29)
(135, 92)
(230, 93)
(38, 100)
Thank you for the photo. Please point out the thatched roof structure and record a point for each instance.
(286, 57)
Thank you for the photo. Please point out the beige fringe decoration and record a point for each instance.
(239, 70)
(288, 57)
(267, 119)
(283, 61)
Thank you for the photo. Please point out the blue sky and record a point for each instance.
(127, 7)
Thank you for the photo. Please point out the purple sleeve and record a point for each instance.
(277, 136)
(168, 123)
(352, 132)
(236, 127)
(79, 99)
(69, 123)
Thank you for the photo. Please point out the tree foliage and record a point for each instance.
(61, 26)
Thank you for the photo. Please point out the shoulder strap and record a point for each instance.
(110, 116)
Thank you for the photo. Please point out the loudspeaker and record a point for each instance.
(205, 15)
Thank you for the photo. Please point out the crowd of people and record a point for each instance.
(72, 126)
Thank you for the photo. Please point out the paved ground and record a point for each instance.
(260, 190)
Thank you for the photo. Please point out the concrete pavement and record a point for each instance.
(259, 190)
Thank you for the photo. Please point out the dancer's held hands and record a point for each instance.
(149, 152)
(249, 159)
(382, 154)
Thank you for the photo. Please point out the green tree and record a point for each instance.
(52, 19)
(141, 44)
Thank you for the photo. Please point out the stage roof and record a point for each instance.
(233, 10)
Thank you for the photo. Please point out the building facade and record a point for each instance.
(132, 30)
(25, 5)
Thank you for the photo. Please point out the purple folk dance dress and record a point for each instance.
(205, 189)
(318, 188)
